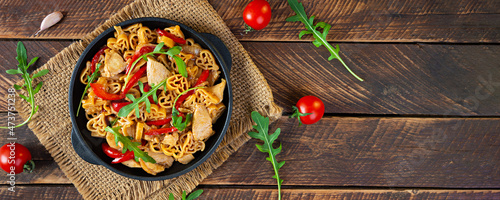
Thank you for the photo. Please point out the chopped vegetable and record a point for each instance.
(119, 105)
(127, 156)
(96, 58)
(171, 36)
(22, 58)
(125, 110)
(160, 131)
(263, 127)
(90, 79)
(100, 91)
(129, 145)
(160, 122)
(320, 38)
(137, 54)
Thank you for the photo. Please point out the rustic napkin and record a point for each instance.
(52, 124)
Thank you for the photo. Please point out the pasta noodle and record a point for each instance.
(205, 104)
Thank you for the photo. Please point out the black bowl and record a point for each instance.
(89, 148)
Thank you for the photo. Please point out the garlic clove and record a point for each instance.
(50, 20)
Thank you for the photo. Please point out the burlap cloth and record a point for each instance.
(52, 124)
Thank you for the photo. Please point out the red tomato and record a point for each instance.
(313, 105)
(257, 14)
(15, 158)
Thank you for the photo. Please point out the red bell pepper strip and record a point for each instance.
(96, 57)
(113, 153)
(203, 77)
(119, 105)
(100, 91)
(171, 36)
(137, 54)
(127, 156)
(134, 79)
(160, 131)
(159, 122)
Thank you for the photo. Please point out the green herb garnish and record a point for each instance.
(129, 145)
(176, 119)
(297, 114)
(144, 98)
(191, 196)
(320, 38)
(90, 79)
(263, 127)
(23, 66)
(172, 52)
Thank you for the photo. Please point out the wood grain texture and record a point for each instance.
(377, 21)
(41, 192)
(357, 21)
(351, 151)
(401, 79)
(388, 152)
(69, 192)
(415, 79)
(21, 19)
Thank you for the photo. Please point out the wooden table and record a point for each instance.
(424, 124)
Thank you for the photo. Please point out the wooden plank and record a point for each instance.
(377, 21)
(409, 79)
(387, 152)
(369, 151)
(23, 18)
(374, 21)
(231, 193)
(69, 192)
(41, 192)
(415, 79)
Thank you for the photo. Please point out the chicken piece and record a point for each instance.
(157, 72)
(113, 64)
(186, 158)
(161, 159)
(216, 111)
(131, 163)
(151, 168)
(170, 139)
(202, 123)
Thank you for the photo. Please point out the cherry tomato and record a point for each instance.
(310, 109)
(257, 14)
(15, 158)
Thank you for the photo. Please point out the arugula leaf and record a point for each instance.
(320, 38)
(191, 196)
(129, 145)
(144, 98)
(263, 127)
(22, 68)
(172, 52)
(90, 79)
(297, 114)
(176, 119)
(194, 195)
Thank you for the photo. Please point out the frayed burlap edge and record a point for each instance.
(145, 189)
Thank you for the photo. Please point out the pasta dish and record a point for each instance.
(153, 95)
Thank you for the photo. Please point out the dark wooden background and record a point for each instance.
(424, 124)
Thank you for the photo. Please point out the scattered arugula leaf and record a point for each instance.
(191, 196)
(172, 52)
(90, 79)
(176, 119)
(263, 127)
(23, 66)
(144, 98)
(297, 114)
(320, 38)
(129, 145)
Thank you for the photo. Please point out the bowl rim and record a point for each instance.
(74, 78)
